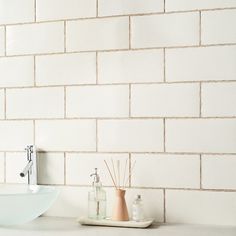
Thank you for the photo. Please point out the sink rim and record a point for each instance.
(33, 190)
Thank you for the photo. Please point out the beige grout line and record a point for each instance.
(130, 167)
(153, 188)
(117, 84)
(64, 36)
(96, 135)
(164, 134)
(4, 167)
(35, 12)
(97, 8)
(130, 97)
(5, 41)
(42, 22)
(97, 68)
(127, 152)
(200, 171)
(119, 118)
(5, 104)
(164, 205)
(162, 117)
(117, 16)
(125, 84)
(164, 64)
(124, 49)
(64, 168)
(65, 115)
(200, 28)
(164, 6)
(149, 188)
(35, 72)
(159, 47)
(200, 99)
(130, 35)
(189, 189)
(34, 132)
(185, 189)
(202, 9)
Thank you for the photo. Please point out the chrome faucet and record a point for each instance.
(31, 167)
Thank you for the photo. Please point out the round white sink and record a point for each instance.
(22, 203)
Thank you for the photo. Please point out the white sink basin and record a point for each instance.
(22, 203)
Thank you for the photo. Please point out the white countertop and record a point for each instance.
(45, 226)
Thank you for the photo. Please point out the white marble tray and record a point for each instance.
(108, 222)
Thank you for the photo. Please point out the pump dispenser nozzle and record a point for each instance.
(96, 176)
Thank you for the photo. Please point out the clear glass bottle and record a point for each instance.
(137, 209)
(96, 199)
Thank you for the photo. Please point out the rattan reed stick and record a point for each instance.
(110, 174)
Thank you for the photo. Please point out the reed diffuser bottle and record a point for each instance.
(96, 199)
(120, 211)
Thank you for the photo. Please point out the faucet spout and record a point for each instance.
(26, 169)
(30, 169)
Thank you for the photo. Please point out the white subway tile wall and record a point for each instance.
(21, 76)
(165, 100)
(215, 27)
(185, 5)
(165, 170)
(152, 31)
(65, 135)
(66, 69)
(222, 94)
(201, 207)
(97, 34)
(51, 168)
(64, 9)
(150, 81)
(128, 7)
(35, 38)
(71, 202)
(35, 103)
(15, 163)
(136, 135)
(14, 11)
(131, 67)
(218, 171)
(15, 135)
(97, 101)
(201, 135)
(201, 64)
(79, 167)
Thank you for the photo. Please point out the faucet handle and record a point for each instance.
(29, 150)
